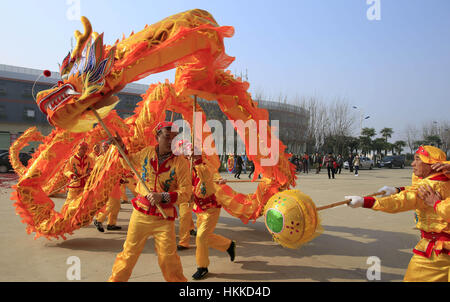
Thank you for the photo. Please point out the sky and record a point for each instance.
(395, 68)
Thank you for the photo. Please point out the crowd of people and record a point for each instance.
(330, 162)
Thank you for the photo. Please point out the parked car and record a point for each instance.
(393, 161)
(5, 164)
(365, 163)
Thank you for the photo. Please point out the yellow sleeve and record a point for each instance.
(205, 187)
(136, 159)
(68, 169)
(404, 201)
(184, 182)
(443, 209)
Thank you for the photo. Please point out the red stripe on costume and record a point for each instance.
(151, 209)
(436, 204)
(440, 177)
(369, 201)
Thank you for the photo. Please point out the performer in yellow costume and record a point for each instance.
(128, 181)
(112, 207)
(208, 213)
(431, 259)
(76, 170)
(186, 223)
(169, 179)
(186, 226)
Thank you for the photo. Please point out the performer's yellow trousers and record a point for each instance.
(112, 211)
(433, 269)
(131, 186)
(206, 223)
(186, 224)
(140, 228)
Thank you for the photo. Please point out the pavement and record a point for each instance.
(353, 242)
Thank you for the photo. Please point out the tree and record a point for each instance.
(378, 145)
(398, 146)
(412, 135)
(433, 140)
(386, 133)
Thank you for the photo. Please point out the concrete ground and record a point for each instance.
(340, 253)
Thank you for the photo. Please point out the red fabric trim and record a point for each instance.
(433, 237)
(151, 209)
(401, 188)
(173, 197)
(440, 177)
(436, 204)
(369, 201)
(205, 203)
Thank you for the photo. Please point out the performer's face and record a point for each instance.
(421, 169)
(97, 149)
(165, 137)
(82, 150)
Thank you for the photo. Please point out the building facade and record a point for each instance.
(18, 109)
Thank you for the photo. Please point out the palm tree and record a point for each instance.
(386, 133)
(366, 138)
(398, 146)
(378, 145)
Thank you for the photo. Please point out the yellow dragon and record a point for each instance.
(191, 42)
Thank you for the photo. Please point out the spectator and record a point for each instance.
(251, 166)
(238, 167)
(329, 163)
(350, 162)
(356, 163)
(317, 162)
(305, 162)
(340, 163)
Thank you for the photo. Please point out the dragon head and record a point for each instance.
(82, 84)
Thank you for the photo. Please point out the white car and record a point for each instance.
(365, 163)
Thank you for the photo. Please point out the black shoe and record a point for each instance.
(200, 273)
(181, 248)
(232, 250)
(193, 233)
(124, 202)
(99, 226)
(113, 227)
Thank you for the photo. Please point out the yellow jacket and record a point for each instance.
(77, 167)
(173, 176)
(431, 220)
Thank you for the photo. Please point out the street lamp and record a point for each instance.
(361, 119)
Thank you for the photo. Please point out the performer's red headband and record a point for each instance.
(165, 125)
(422, 151)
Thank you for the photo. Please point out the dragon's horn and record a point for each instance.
(82, 38)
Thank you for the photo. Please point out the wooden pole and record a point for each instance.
(345, 202)
(241, 180)
(62, 187)
(126, 159)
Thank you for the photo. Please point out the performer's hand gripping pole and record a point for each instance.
(65, 185)
(122, 152)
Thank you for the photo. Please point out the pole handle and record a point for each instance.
(347, 201)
